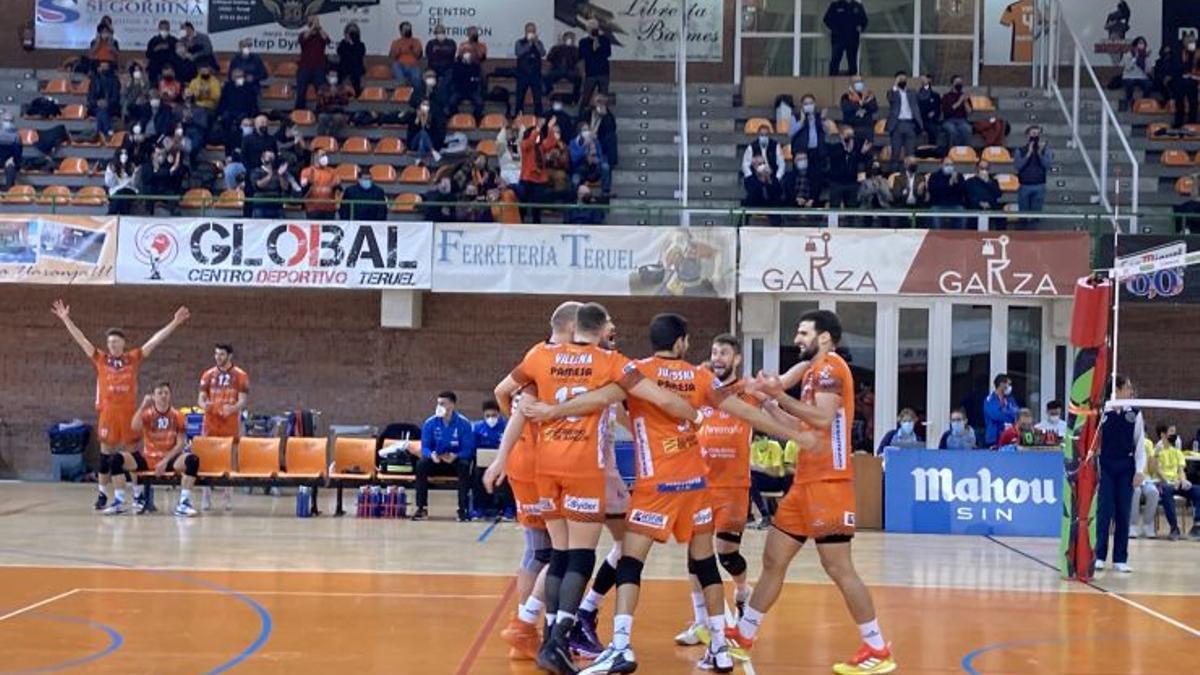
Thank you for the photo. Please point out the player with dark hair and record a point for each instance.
(164, 432)
(223, 392)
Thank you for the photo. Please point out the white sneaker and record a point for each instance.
(1123, 568)
(206, 499)
(185, 509)
(719, 661)
(227, 500)
(1099, 565)
(117, 508)
(695, 634)
(437, 156)
(1134, 533)
(613, 660)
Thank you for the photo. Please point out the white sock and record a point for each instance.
(716, 629)
(530, 610)
(742, 594)
(550, 619)
(185, 495)
(622, 631)
(564, 616)
(592, 602)
(699, 609)
(100, 488)
(138, 490)
(871, 634)
(751, 620)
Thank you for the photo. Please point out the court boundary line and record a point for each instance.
(331, 594)
(485, 631)
(40, 603)
(747, 665)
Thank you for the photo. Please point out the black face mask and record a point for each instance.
(958, 86)
(903, 84)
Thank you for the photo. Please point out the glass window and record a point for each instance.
(970, 361)
(947, 17)
(943, 59)
(1060, 374)
(882, 57)
(889, 16)
(858, 341)
(767, 56)
(814, 61)
(769, 16)
(789, 317)
(1024, 362)
(756, 355)
(913, 376)
(812, 16)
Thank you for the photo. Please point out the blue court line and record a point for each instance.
(264, 616)
(115, 640)
(487, 532)
(968, 664)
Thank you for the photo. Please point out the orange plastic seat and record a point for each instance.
(197, 198)
(492, 122)
(81, 87)
(91, 195)
(463, 122)
(116, 140)
(72, 166)
(383, 173)
(304, 458)
(1175, 157)
(785, 149)
(356, 145)
(486, 147)
(389, 145)
(1155, 132)
(20, 194)
(372, 95)
(1184, 185)
(285, 69)
(353, 459)
(54, 195)
(1148, 106)
(414, 175)
(257, 458)
(526, 120)
(755, 123)
(379, 71)
(880, 127)
(326, 143)
(401, 95)
(279, 91)
(223, 65)
(303, 117)
(230, 199)
(963, 154)
(216, 456)
(406, 202)
(56, 86)
(982, 104)
(28, 136)
(1008, 182)
(997, 155)
(74, 111)
(347, 173)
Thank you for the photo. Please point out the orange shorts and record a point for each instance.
(222, 427)
(820, 510)
(526, 495)
(114, 427)
(731, 508)
(577, 498)
(659, 515)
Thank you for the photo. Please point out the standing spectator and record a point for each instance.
(136, 91)
(999, 410)
(447, 447)
(352, 55)
(440, 53)
(311, 71)
(846, 21)
(802, 185)
(270, 181)
(956, 106)
(104, 97)
(564, 65)
(1170, 479)
(11, 150)
(602, 123)
(421, 132)
(120, 178)
(858, 109)
(1122, 466)
(258, 143)
(845, 159)
(529, 51)
(332, 99)
(437, 92)
(239, 100)
(161, 178)
(909, 187)
(873, 191)
(160, 50)
(104, 48)
(562, 118)
(319, 182)
(904, 119)
(595, 51)
(904, 435)
(405, 54)
(474, 46)
(183, 65)
(930, 104)
(488, 432)
(508, 150)
(1135, 70)
(199, 47)
(534, 177)
(290, 145)
(981, 192)
(1053, 423)
(767, 148)
(1033, 162)
(1183, 82)
(206, 89)
(807, 130)
(364, 200)
(467, 83)
(588, 163)
(1163, 67)
(249, 64)
(162, 117)
(960, 435)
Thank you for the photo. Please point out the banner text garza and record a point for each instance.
(543, 254)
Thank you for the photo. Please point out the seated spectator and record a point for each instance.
(206, 89)
(904, 435)
(196, 122)
(104, 97)
(421, 133)
(183, 65)
(1053, 425)
(199, 47)
(239, 100)
(332, 99)
(1170, 479)
(909, 187)
(352, 55)
(249, 64)
(437, 92)
(859, 107)
(763, 190)
(564, 65)
(120, 179)
(271, 181)
(930, 104)
(11, 150)
(440, 53)
(508, 150)
(946, 194)
(160, 51)
(904, 119)
(364, 200)
(845, 158)
(447, 447)
(488, 433)
(162, 117)
(290, 145)
(770, 471)
(993, 130)
(1135, 70)
(476, 47)
(1019, 434)
(1146, 491)
(802, 185)
(475, 207)
(981, 192)
(956, 107)
(136, 93)
(234, 172)
(585, 212)
(437, 204)
(319, 183)
(467, 84)
(139, 145)
(874, 191)
(960, 435)
(602, 123)
(1187, 213)
(769, 150)
(807, 130)
(258, 143)
(170, 90)
(588, 164)
(405, 55)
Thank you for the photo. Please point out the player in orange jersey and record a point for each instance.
(670, 493)
(820, 504)
(725, 444)
(164, 437)
(116, 398)
(571, 462)
(223, 391)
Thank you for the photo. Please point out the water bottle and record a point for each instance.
(403, 508)
(303, 503)
(391, 503)
(363, 501)
(376, 502)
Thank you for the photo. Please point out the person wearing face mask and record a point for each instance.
(595, 50)
(1020, 434)
(1183, 75)
(488, 432)
(363, 199)
(162, 117)
(234, 172)
(960, 435)
(120, 179)
(447, 448)
(319, 182)
(1170, 479)
(1135, 70)
(437, 92)
(104, 97)
(170, 89)
(103, 48)
(802, 185)
(999, 410)
(185, 68)
(313, 41)
(763, 189)
(909, 187)
(904, 435)
(258, 143)
(440, 53)
(859, 107)
(206, 90)
(874, 191)
(271, 181)
(562, 118)
(249, 64)
(846, 158)
(956, 107)
(476, 47)
(1122, 466)
(1034, 162)
(588, 163)
(239, 100)
(529, 52)
(946, 194)
(160, 51)
(437, 204)
(603, 124)
(904, 119)
(137, 89)
(405, 55)
(423, 132)
(332, 99)
(352, 55)
(199, 46)
(564, 65)
(767, 148)
(1053, 423)
(466, 83)
(929, 102)
(846, 21)
(981, 191)
(807, 130)
(11, 150)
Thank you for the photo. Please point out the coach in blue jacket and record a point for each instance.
(447, 448)
(999, 410)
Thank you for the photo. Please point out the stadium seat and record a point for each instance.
(347, 173)
(279, 91)
(1158, 132)
(389, 145)
(284, 69)
(326, 143)
(356, 145)
(406, 202)
(880, 127)
(57, 86)
(372, 95)
(753, 124)
(223, 65)
(486, 147)
(963, 154)
(20, 194)
(831, 127)
(74, 112)
(216, 456)
(786, 150)
(462, 122)
(414, 175)
(1184, 185)
(116, 140)
(526, 120)
(353, 459)
(997, 155)
(304, 458)
(303, 118)
(1176, 158)
(1148, 106)
(197, 198)
(72, 166)
(492, 122)
(885, 154)
(782, 126)
(230, 199)
(81, 87)
(401, 95)
(28, 136)
(54, 195)
(383, 173)
(257, 458)
(1008, 182)
(1193, 129)
(982, 104)
(379, 71)
(90, 195)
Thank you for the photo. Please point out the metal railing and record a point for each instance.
(1054, 39)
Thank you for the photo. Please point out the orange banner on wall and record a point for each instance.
(55, 249)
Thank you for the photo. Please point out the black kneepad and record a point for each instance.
(629, 571)
(581, 561)
(543, 555)
(558, 563)
(105, 465)
(191, 465)
(707, 573)
(731, 537)
(733, 563)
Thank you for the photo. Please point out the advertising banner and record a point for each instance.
(294, 254)
(911, 262)
(54, 249)
(1009, 29)
(973, 492)
(1155, 277)
(71, 24)
(648, 30)
(608, 260)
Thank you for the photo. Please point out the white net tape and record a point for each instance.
(1163, 403)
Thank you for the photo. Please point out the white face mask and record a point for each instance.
(429, 82)
(802, 164)
(859, 87)
(439, 411)
(239, 81)
(1053, 419)
(809, 108)
(124, 157)
(163, 34)
(762, 140)
(948, 170)
(557, 106)
(531, 36)
(491, 421)
(323, 161)
(332, 80)
(586, 134)
(154, 103)
(245, 51)
(137, 74)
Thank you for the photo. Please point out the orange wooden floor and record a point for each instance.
(126, 620)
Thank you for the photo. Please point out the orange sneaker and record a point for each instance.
(523, 638)
(735, 636)
(514, 628)
(867, 661)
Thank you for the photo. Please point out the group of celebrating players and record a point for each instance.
(692, 428)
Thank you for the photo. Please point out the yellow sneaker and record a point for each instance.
(868, 661)
(696, 634)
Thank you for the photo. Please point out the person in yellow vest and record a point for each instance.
(1168, 471)
(1147, 491)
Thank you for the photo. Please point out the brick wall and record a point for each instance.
(313, 349)
(1158, 350)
